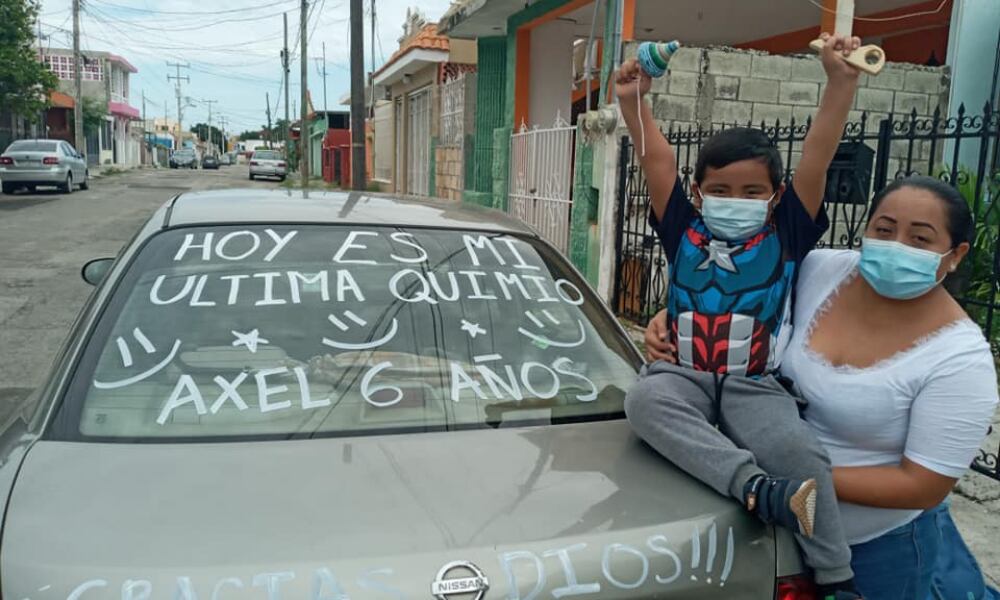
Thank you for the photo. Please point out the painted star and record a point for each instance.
(720, 254)
(473, 329)
(250, 340)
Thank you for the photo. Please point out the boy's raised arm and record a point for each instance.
(659, 163)
(828, 126)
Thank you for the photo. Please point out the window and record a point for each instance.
(62, 66)
(267, 155)
(282, 332)
(32, 146)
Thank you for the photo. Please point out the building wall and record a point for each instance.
(551, 80)
(382, 146)
(490, 89)
(724, 86)
(448, 172)
(462, 51)
(425, 78)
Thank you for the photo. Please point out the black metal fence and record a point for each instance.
(962, 150)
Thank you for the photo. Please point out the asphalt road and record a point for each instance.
(46, 237)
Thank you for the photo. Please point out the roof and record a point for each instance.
(427, 38)
(61, 100)
(256, 205)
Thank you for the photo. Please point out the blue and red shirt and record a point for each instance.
(729, 303)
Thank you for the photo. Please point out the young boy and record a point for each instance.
(734, 251)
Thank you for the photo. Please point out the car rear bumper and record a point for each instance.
(268, 171)
(44, 176)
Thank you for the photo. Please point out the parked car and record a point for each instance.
(225, 159)
(342, 396)
(184, 158)
(210, 162)
(27, 164)
(268, 163)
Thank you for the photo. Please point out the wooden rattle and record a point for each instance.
(869, 59)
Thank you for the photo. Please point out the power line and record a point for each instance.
(922, 13)
(160, 29)
(194, 13)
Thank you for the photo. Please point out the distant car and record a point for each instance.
(225, 159)
(210, 162)
(30, 163)
(184, 158)
(268, 163)
(439, 406)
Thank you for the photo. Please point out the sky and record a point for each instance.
(233, 48)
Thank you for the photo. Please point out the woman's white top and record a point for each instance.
(931, 403)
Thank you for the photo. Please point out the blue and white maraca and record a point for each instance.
(653, 57)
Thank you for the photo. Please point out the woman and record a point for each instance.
(900, 384)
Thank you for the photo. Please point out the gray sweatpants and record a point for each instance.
(754, 429)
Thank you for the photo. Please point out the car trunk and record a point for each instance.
(29, 160)
(547, 510)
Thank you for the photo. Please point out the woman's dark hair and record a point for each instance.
(736, 144)
(960, 224)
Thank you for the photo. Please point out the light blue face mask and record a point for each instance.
(734, 219)
(898, 271)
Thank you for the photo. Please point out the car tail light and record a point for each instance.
(281, 164)
(797, 587)
(6, 160)
(50, 160)
(253, 163)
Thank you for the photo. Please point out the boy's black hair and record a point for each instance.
(736, 144)
(960, 223)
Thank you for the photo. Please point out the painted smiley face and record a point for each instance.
(127, 361)
(544, 341)
(366, 345)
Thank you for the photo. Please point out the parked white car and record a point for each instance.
(268, 163)
(27, 164)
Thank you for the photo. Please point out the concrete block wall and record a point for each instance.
(719, 85)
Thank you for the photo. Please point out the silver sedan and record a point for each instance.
(28, 164)
(282, 394)
(268, 163)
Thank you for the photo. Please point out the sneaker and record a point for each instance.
(786, 502)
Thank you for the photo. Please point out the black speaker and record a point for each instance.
(849, 177)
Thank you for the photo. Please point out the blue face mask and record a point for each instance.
(898, 271)
(734, 219)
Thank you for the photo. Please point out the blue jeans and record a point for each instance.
(899, 565)
(956, 574)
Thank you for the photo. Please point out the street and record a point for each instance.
(46, 237)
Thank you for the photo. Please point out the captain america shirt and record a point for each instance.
(729, 303)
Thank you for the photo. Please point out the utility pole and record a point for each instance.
(324, 76)
(177, 89)
(285, 60)
(267, 96)
(303, 59)
(371, 74)
(77, 83)
(210, 103)
(357, 96)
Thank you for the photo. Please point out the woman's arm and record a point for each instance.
(906, 485)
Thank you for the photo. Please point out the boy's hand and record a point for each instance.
(837, 68)
(657, 346)
(625, 79)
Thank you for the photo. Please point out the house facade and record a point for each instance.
(543, 65)
(418, 131)
(105, 81)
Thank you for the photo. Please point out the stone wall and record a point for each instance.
(449, 171)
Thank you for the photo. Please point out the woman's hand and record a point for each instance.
(658, 346)
(625, 78)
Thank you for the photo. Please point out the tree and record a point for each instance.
(202, 130)
(252, 135)
(94, 112)
(25, 82)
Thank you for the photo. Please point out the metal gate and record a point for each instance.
(418, 155)
(541, 180)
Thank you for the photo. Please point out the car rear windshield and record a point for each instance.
(234, 332)
(32, 146)
(267, 155)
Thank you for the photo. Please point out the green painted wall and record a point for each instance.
(492, 66)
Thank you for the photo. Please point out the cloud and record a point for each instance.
(233, 48)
